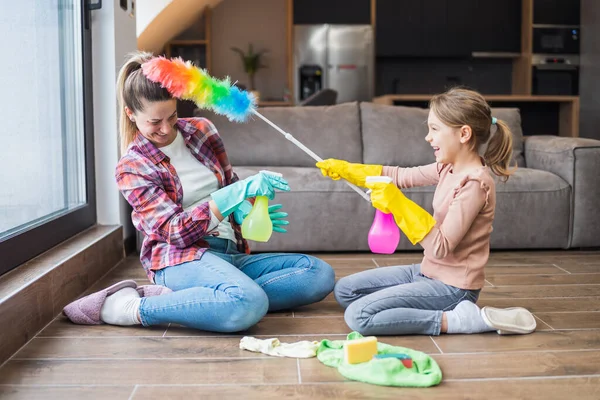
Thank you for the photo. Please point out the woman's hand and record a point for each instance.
(277, 217)
(229, 198)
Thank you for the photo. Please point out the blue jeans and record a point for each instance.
(228, 291)
(397, 301)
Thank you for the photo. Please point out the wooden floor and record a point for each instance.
(560, 360)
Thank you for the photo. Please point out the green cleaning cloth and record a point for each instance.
(386, 371)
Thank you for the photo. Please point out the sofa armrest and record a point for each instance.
(577, 161)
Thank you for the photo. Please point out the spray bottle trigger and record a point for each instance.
(375, 179)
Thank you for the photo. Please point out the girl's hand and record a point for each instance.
(413, 220)
(353, 173)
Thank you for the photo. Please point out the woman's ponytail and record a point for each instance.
(132, 88)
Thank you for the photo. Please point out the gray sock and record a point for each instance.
(466, 318)
(121, 308)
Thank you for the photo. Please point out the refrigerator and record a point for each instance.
(338, 57)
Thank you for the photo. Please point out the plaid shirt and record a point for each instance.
(150, 184)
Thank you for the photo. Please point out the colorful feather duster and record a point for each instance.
(185, 81)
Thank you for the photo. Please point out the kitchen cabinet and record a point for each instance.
(446, 28)
(496, 26)
(332, 12)
(399, 28)
(557, 12)
(425, 28)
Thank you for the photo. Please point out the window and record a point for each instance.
(47, 181)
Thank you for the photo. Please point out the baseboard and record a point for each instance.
(33, 294)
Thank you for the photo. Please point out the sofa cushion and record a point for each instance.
(329, 131)
(532, 211)
(395, 135)
(324, 215)
(512, 117)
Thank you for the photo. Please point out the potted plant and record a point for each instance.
(252, 62)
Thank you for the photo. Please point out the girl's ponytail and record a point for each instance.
(499, 151)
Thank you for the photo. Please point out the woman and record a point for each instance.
(189, 203)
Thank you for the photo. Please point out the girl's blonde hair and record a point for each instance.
(132, 88)
(458, 107)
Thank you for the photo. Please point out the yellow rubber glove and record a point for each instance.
(413, 220)
(353, 173)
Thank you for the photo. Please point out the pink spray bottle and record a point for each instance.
(384, 234)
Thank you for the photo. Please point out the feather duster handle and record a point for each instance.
(185, 81)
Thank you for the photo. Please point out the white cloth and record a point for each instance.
(197, 182)
(273, 347)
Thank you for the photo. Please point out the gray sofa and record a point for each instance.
(552, 200)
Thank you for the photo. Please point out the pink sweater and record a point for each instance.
(458, 247)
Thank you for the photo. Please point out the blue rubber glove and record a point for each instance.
(276, 217)
(229, 198)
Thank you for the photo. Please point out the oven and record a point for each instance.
(555, 74)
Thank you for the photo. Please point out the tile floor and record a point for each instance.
(562, 288)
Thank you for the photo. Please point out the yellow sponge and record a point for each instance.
(360, 350)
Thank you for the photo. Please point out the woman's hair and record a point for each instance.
(132, 88)
(458, 107)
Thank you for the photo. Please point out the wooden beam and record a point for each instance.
(522, 76)
(568, 118)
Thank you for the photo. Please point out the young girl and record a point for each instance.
(190, 204)
(439, 294)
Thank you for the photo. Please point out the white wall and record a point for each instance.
(260, 22)
(113, 36)
(146, 11)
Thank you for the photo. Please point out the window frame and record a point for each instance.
(24, 246)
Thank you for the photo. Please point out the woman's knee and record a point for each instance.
(324, 278)
(244, 306)
(250, 307)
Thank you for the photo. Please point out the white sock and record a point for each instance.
(121, 308)
(466, 318)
